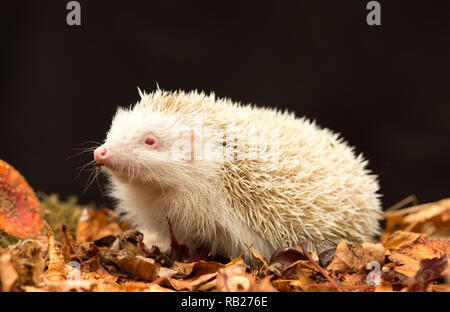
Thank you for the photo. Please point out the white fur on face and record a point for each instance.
(133, 159)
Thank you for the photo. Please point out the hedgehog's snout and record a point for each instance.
(102, 155)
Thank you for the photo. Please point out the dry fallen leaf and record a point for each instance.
(407, 249)
(8, 274)
(96, 224)
(202, 272)
(234, 278)
(353, 257)
(437, 213)
(27, 258)
(299, 269)
(144, 268)
(258, 257)
(67, 244)
(430, 270)
(384, 286)
(56, 265)
(104, 258)
(297, 276)
(432, 219)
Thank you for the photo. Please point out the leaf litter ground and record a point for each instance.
(80, 248)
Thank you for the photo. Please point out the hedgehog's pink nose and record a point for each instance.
(101, 154)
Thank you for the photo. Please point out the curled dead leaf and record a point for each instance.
(56, 264)
(202, 272)
(136, 265)
(287, 256)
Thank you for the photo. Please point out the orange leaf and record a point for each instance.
(96, 224)
(56, 263)
(353, 257)
(407, 249)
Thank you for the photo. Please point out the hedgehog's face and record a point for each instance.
(138, 146)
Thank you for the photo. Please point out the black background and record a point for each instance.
(384, 88)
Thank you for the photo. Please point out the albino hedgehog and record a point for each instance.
(227, 175)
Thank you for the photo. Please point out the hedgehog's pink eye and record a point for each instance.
(150, 141)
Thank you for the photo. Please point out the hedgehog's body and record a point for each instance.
(316, 188)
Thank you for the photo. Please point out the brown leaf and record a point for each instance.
(28, 261)
(393, 223)
(354, 281)
(437, 213)
(191, 284)
(67, 244)
(384, 286)
(8, 274)
(299, 269)
(430, 270)
(258, 257)
(400, 239)
(303, 285)
(326, 252)
(439, 288)
(395, 279)
(406, 250)
(96, 224)
(69, 286)
(86, 251)
(352, 257)
(202, 273)
(265, 285)
(142, 287)
(56, 263)
(234, 278)
(432, 219)
(300, 274)
(144, 268)
(91, 270)
(183, 269)
(105, 241)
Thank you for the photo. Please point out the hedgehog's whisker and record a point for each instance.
(90, 180)
(97, 171)
(91, 142)
(82, 168)
(82, 151)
